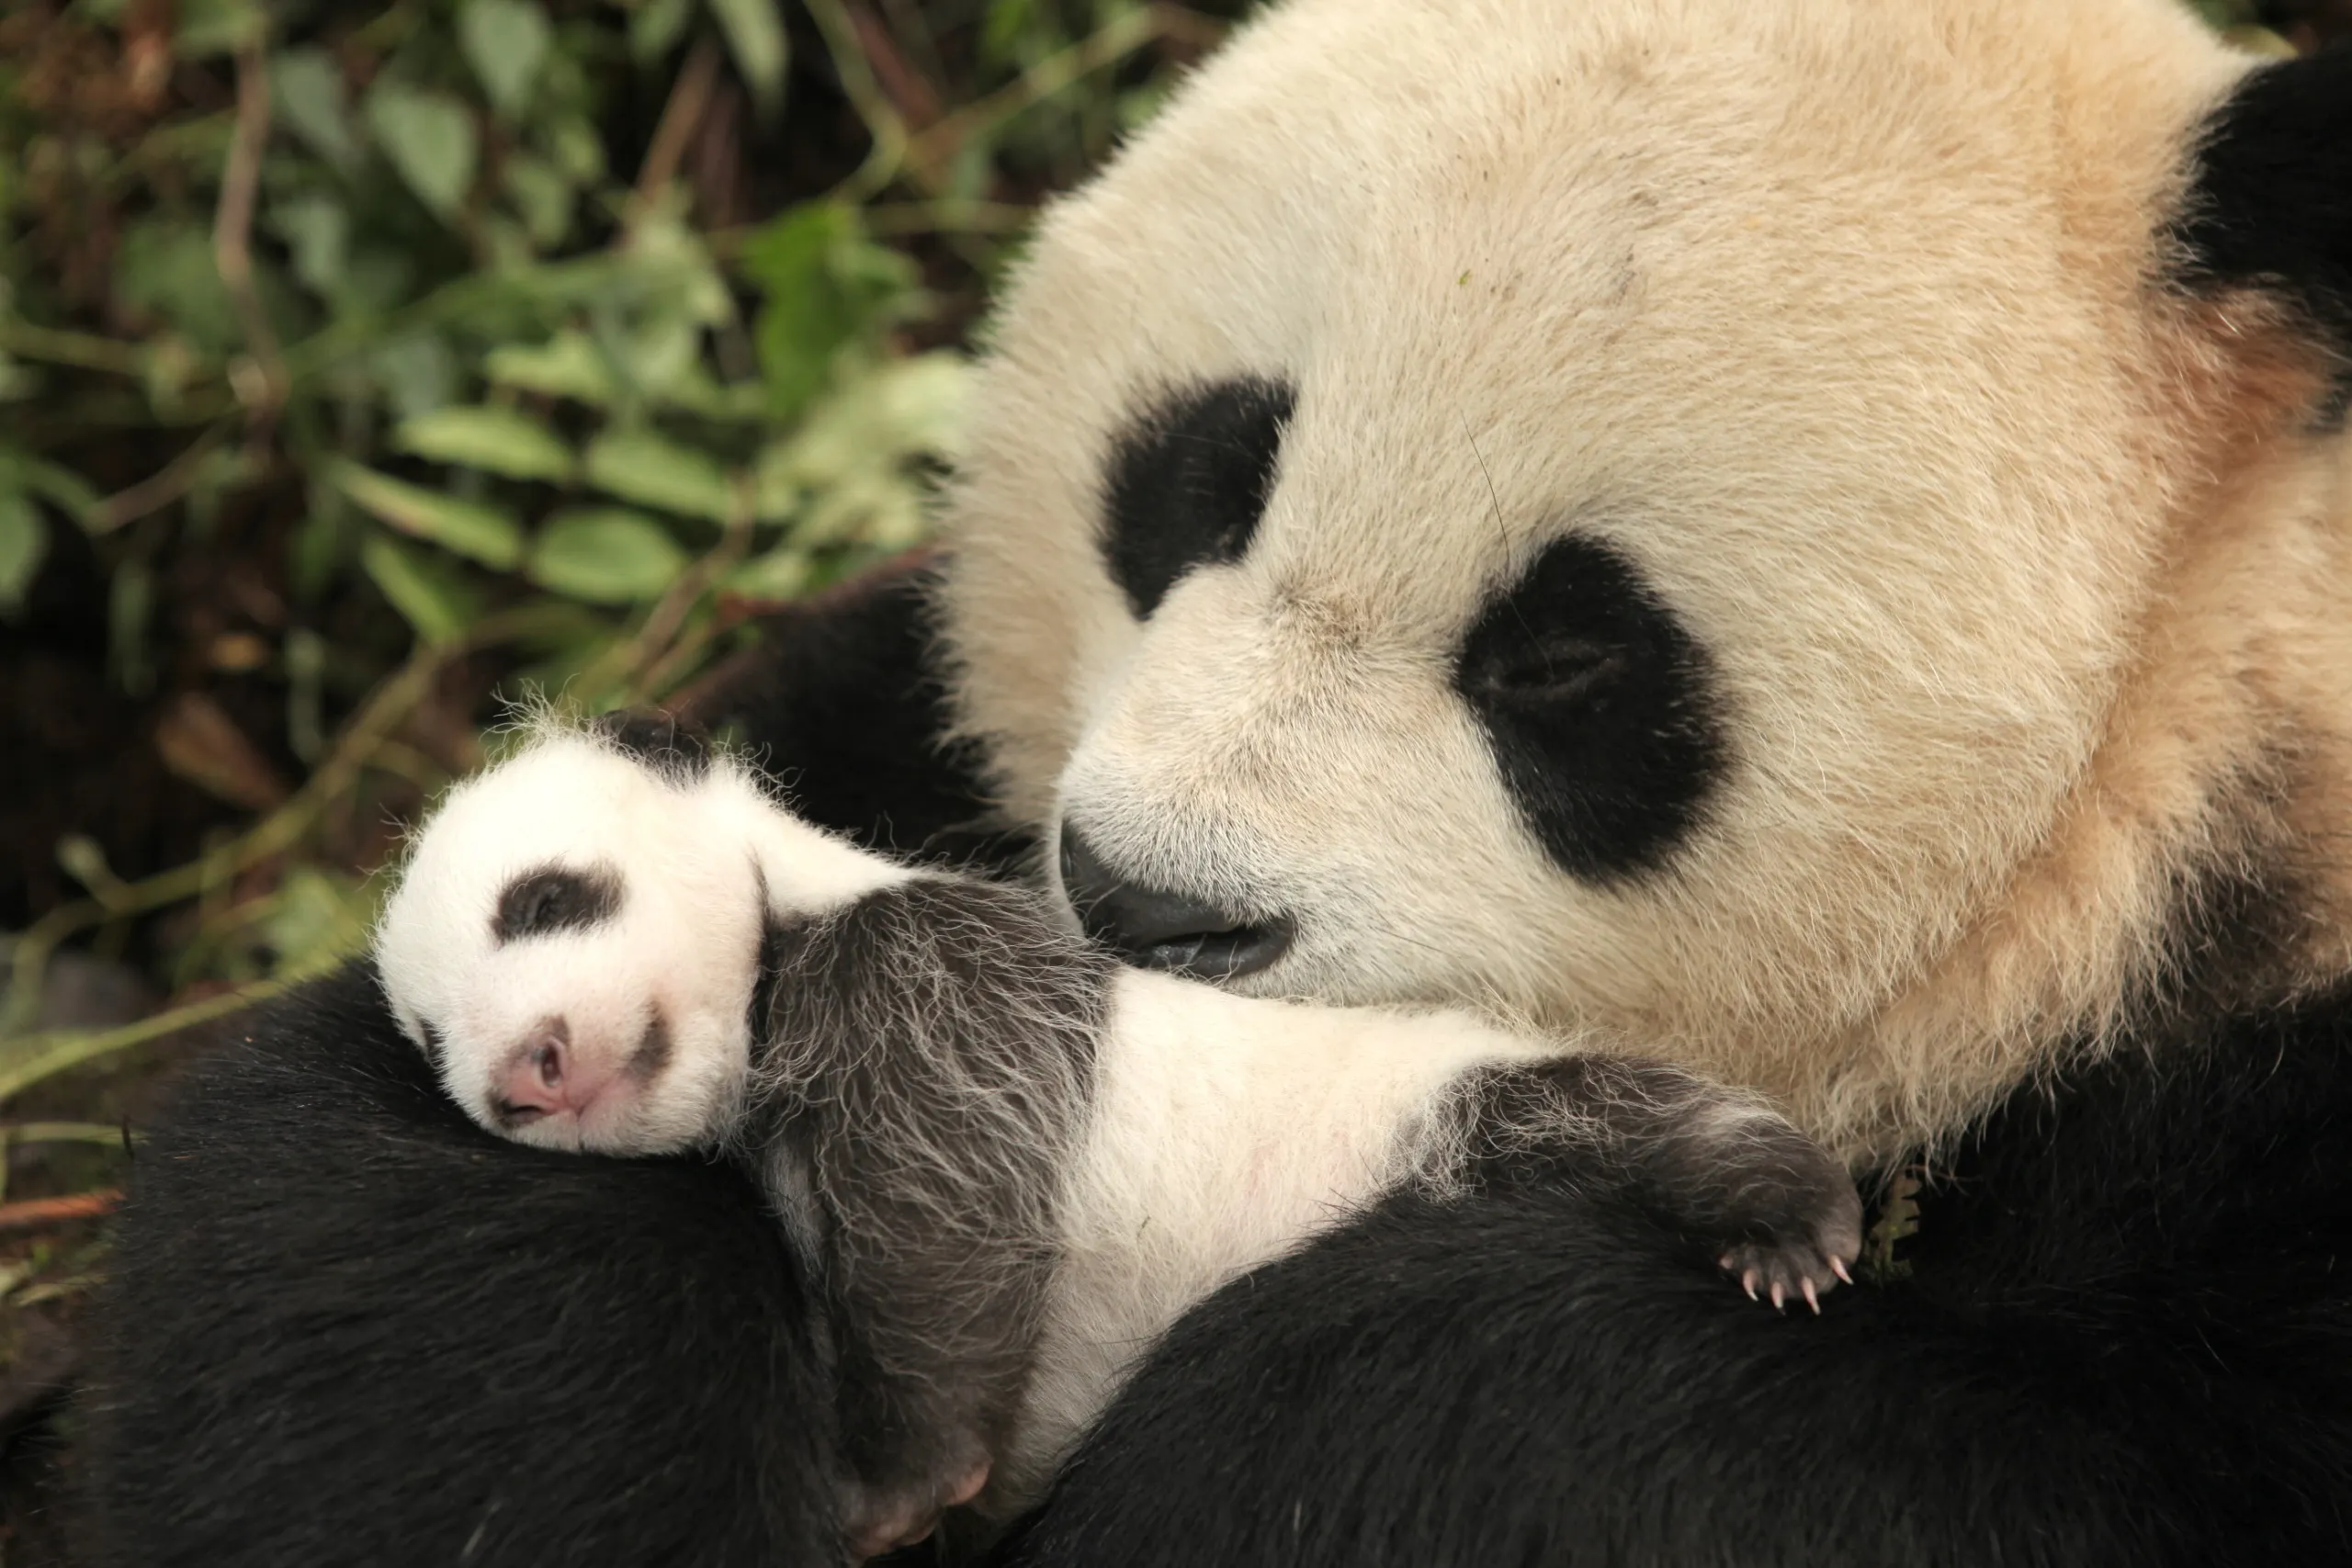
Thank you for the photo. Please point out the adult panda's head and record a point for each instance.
(1805, 536)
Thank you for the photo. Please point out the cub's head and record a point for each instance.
(575, 941)
(1804, 535)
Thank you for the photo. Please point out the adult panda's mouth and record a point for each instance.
(1152, 928)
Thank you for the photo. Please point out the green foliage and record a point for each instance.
(606, 555)
(441, 323)
(756, 38)
(827, 288)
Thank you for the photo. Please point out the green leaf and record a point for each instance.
(576, 147)
(430, 591)
(506, 42)
(655, 28)
(469, 528)
(19, 381)
(24, 541)
(218, 26)
(647, 467)
(418, 372)
(566, 366)
(779, 575)
(503, 440)
(605, 555)
(542, 195)
(853, 452)
(306, 85)
(315, 917)
(131, 603)
(165, 266)
(429, 138)
(317, 230)
(826, 286)
(756, 38)
(60, 487)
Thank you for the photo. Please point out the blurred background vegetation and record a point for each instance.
(365, 365)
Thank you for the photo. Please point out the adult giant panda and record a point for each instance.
(1805, 537)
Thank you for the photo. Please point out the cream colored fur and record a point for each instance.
(1846, 321)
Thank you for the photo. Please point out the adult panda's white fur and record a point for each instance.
(1015, 1162)
(1856, 328)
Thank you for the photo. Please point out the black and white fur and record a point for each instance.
(1011, 1162)
(1947, 398)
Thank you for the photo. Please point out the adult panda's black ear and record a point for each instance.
(2270, 204)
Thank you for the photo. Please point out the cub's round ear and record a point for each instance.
(661, 740)
(2269, 200)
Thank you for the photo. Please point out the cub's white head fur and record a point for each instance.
(576, 938)
(1973, 580)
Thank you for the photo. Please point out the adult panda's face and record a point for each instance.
(1632, 512)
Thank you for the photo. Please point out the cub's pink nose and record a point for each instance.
(544, 1077)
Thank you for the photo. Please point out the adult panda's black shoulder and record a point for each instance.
(1804, 536)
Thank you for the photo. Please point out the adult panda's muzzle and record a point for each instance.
(1151, 928)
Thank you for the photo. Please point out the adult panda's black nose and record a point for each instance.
(1154, 929)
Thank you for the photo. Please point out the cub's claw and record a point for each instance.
(1799, 1223)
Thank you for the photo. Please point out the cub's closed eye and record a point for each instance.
(555, 899)
(1549, 669)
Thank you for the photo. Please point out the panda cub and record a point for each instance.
(1013, 1162)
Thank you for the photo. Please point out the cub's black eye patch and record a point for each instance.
(554, 899)
(1602, 709)
(1187, 483)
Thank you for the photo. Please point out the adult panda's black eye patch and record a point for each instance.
(1601, 708)
(1187, 482)
(555, 899)
(2269, 199)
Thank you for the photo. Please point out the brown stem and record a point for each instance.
(232, 225)
(689, 97)
(39, 1213)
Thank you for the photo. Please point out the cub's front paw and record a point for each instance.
(1791, 1216)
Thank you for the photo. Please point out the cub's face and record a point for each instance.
(1631, 511)
(575, 941)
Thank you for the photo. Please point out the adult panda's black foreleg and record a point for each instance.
(845, 699)
(2125, 1339)
(348, 1326)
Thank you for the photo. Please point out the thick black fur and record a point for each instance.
(2270, 204)
(845, 699)
(1602, 709)
(2125, 1339)
(1188, 480)
(349, 1327)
